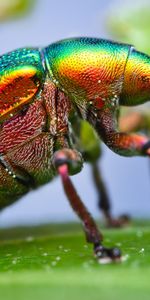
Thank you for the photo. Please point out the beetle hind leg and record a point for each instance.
(93, 235)
(104, 201)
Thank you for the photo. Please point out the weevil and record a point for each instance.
(43, 94)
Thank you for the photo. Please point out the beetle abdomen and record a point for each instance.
(136, 86)
(10, 188)
(88, 69)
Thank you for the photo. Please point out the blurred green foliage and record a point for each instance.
(131, 25)
(89, 142)
(14, 8)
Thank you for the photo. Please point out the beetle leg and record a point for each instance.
(122, 143)
(92, 233)
(91, 150)
(104, 201)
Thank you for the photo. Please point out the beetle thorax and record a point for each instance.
(57, 107)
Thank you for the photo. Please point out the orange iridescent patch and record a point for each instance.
(17, 87)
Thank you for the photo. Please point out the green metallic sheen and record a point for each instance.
(21, 57)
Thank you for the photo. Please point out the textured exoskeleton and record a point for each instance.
(40, 91)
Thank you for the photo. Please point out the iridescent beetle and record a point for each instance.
(43, 95)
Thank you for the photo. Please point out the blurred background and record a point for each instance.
(41, 22)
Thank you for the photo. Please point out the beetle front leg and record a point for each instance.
(62, 164)
(122, 143)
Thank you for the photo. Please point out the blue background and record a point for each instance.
(128, 179)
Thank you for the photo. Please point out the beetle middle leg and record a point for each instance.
(62, 160)
(126, 144)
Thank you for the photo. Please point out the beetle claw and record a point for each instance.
(122, 221)
(107, 255)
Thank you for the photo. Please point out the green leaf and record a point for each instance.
(54, 262)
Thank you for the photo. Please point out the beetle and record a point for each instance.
(44, 93)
